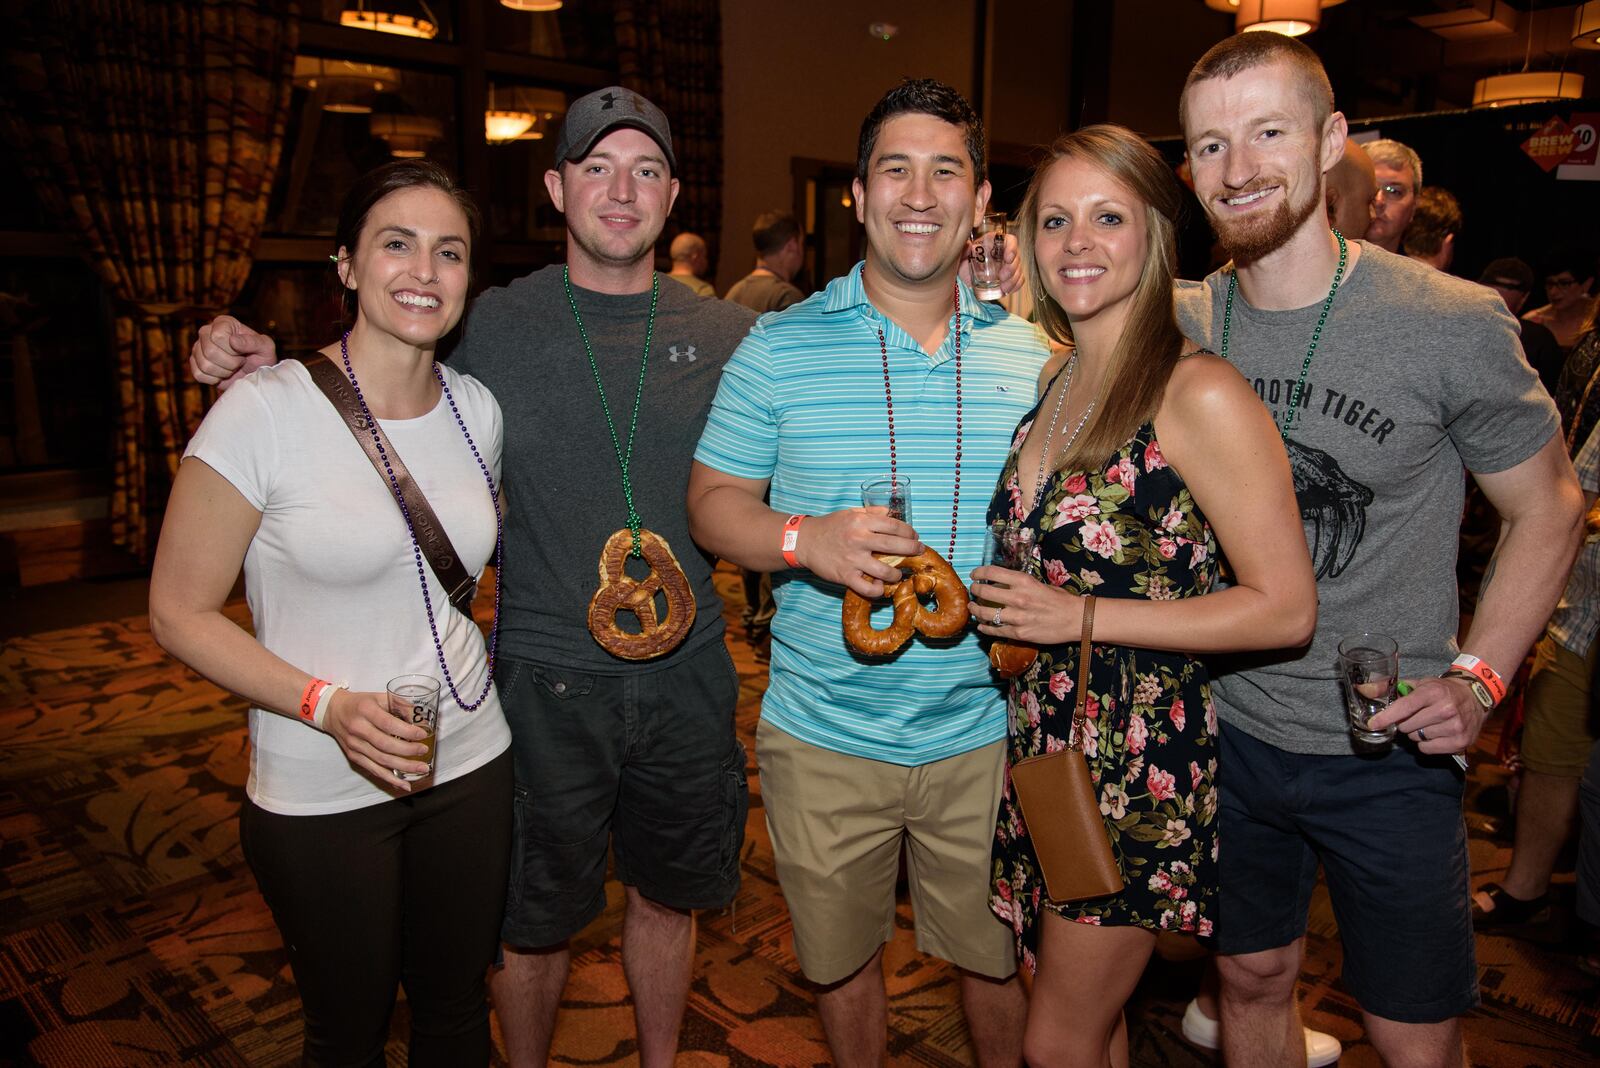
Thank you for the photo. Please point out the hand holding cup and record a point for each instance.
(373, 740)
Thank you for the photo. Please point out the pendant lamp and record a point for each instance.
(1586, 26)
(1528, 87)
(1288, 17)
(382, 17)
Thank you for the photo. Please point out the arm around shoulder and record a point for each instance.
(225, 351)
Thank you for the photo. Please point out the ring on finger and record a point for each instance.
(996, 621)
(1420, 736)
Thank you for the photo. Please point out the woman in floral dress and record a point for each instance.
(1142, 455)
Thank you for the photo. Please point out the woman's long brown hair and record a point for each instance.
(1141, 362)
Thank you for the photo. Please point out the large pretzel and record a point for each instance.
(929, 574)
(619, 592)
(1010, 659)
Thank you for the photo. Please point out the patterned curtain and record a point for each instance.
(671, 51)
(152, 130)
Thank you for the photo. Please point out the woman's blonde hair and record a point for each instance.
(1142, 360)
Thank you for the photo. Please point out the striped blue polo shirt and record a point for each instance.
(802, 403)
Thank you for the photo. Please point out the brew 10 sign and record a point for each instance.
(1556, 143)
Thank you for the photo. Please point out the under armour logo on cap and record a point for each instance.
(593, 116)
(687, 353)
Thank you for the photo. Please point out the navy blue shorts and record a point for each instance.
(645, 765)
(1589, 841)
(1388, 832)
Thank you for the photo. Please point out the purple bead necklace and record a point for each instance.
(416, 549)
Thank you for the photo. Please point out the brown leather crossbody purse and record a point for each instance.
(1059, 806)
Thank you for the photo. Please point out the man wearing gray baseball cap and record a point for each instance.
(604, 374)
(597, 114)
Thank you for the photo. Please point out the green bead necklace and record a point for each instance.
(1316, 334)
(624, 458)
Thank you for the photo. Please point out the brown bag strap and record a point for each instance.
(1085, 648)
(429, 532)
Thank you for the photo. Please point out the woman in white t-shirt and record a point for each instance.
(372, 879)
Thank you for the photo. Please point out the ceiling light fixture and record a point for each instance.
(500, 126)
(408, 136)
(1289, 17)
(1231, 6)
(347, 87)
(1528, 87)
(532, 5)
(1586, 26)
(505, 124)
(405, 25)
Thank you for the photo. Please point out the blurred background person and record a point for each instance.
(1351, 188)
(1399, 172)
(1435, 222)
(1569, 287)
(689, 262)
(779, 253)
(1513, 280)
(1559, 730)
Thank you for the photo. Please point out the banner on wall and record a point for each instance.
(1550, 144)
(1583, 162)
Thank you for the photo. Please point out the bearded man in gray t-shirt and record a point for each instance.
(1390, 383)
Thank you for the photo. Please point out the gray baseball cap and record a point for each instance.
(592, 117)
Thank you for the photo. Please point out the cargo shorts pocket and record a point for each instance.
(736, 806)
(521, 808)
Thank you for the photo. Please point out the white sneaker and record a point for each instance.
(1321, 1049)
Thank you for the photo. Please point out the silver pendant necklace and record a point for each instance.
(1050, 433)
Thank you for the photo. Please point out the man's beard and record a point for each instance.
(1247, 240)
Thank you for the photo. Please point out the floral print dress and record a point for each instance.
(1128, 528)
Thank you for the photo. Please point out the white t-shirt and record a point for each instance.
(331, 576)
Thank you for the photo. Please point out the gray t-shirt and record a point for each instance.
(563, 485)
(1418, 378)
(762, 292)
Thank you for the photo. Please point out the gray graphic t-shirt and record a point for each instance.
(1418, 378)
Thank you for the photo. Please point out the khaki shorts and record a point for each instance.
(837, 822)
(1560, 727)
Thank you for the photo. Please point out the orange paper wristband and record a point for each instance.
(791, 537)
(308, 699)
(1471, 665)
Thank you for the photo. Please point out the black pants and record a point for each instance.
(408, 891)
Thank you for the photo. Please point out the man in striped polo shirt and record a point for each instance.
(864, 378)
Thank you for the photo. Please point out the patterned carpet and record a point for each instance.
(131, 932)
